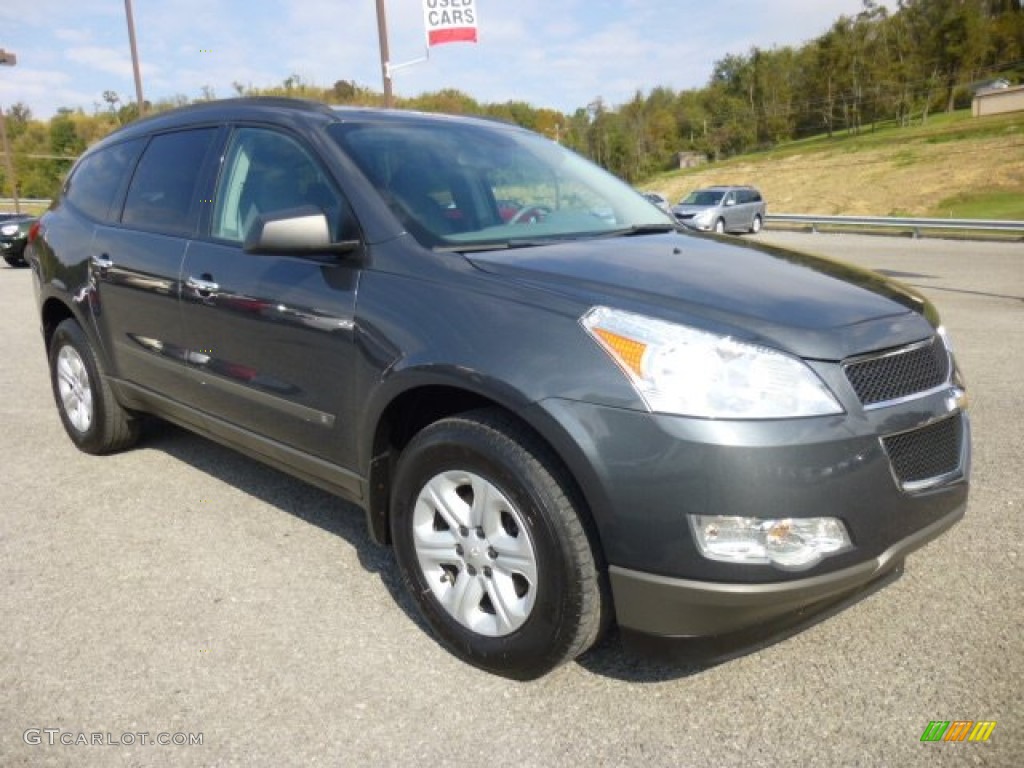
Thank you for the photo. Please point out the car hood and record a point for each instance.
(813, 307)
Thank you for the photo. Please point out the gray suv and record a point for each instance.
(560, 410)
(722, 209)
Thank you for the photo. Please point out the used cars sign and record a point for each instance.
(450, 21)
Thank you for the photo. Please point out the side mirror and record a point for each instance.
(294, 231)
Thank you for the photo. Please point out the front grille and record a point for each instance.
(899, 373)
(926, 454)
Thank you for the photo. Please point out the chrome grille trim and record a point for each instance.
(882, 379)
(927, 456)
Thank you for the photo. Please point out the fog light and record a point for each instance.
(791, 543)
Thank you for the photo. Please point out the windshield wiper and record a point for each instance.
(641, 229)
(523, 242)
(495, 245)
(471, 247)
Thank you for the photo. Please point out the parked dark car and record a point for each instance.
(561, 417)
(14, 237)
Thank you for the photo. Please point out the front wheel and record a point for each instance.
(15, 261)
(91, 415)
(720, 227)
(490, 543)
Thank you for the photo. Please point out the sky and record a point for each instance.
(561, 54)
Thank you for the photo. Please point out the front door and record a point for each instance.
(271, 337)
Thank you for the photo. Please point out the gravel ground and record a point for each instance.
(182, 589)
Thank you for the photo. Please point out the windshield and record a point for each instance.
(472, 185)
(703, 197)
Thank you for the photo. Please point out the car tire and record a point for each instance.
(491, 544)
(755, 225)
(720, 227)
(91, 415)
(15, 261)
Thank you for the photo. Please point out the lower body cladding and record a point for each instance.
(890, 480)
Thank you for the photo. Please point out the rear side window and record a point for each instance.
(164, 194)
(94, 185)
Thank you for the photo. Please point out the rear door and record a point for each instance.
(271, 337)
(135, 262)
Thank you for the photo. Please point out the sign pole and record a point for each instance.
(135, 57)
(385, 55)
(8, 60)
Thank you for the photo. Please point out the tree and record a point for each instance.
(951, 41)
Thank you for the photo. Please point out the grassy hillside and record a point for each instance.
(953, 166)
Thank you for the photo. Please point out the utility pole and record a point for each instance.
(385, 55)
(8, 59)
(135, 57)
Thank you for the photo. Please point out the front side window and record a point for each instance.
(267, 172)
(98, 178)
(164, 194)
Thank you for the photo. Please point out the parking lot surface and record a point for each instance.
(184, 592)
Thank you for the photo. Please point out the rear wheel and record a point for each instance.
(755, 225)
(92, 417)
(491, 545)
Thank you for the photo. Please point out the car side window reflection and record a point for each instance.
(265, 172)
(163, 195)
(95, 183)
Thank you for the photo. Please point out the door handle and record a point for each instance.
(204, 286)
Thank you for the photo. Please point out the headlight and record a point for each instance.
(703, 217)
(788, 543)
(10, 229)
(681, 370)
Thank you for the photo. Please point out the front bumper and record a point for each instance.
(644, 475)
(669, 607)
(691, 223)
(13, 247)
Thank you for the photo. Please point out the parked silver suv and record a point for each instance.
(722, 209)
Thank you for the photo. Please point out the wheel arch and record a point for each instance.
(416, 407)
(55, 309)
(52, 313)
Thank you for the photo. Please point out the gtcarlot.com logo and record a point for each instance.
(56, 736)
(958, 730)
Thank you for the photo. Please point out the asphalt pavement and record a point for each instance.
(181, 593)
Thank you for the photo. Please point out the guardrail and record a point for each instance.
(25, 200)
(36, 203)
(892, 222)
(835, 222)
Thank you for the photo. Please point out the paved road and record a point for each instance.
(181, 589)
